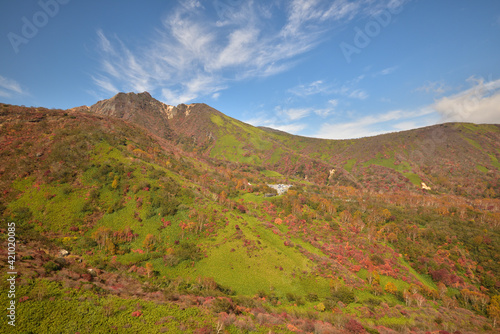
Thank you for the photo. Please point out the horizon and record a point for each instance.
(320, 69)
(273, 129)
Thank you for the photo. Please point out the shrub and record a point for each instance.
(354, 327)
(344, 295)
(320, 307)
(391, 288)
(291, 297)
(373, 301)
(23, 214)
(67, 190)
(241, 208)
(222, 304)
(312, 297)
(372, 330)
(377, 260)
(51, 266)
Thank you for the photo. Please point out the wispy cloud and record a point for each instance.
(328, 110)
(349, 89)
(313, 88)
(286, 119)
(386, 71)
(193, 55)
(10, 87)
(478, 104)
(435, 87)
(277, 123)
(294, 113)
(395, 120)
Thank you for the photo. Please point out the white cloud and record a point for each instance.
(386, 71)
(330, 109)
(305, 14)
(9, 87)
(289, 128)
(277, 123)
(194, 54)
(478, 104)
(316, 87)
(320, 87)
(105, 84)
(358, 94)
(294, 113)
(436, 87)
(375, 124)
(239, 49)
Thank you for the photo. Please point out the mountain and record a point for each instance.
(145, 217)
(454, 158)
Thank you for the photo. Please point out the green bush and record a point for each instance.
(188, 251)
(223, 305)
(23, 214)
(312, 297)
(344, 295)
(51, 266)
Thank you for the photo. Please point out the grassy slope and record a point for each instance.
(249, 260)
(409, 157)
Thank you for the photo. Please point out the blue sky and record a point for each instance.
(331, 69)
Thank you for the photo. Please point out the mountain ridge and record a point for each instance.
(189, 221)
(409, 157)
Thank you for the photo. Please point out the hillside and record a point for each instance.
(456, 158)
(163, 213)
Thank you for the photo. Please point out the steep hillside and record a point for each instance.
(170, 226)
(455, 158)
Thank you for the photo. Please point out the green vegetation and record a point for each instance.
(389, 163)
(494, 161)
(349, 164)
(270, 173)
(164, 240)
(482, 168)
(414, 178)
(474, 143)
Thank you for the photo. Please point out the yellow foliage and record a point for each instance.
(390, 288)
(114, 185)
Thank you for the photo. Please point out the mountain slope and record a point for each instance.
(453, 158)
(159, 218)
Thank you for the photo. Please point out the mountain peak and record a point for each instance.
(139, 108)
(161, 119)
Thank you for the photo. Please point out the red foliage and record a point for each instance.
(204, 330)
(443, 275)
(136, 313)
(242, 208)
(354, 327)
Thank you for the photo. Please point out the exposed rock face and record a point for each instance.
(187, 121)
(141, 109)
(425, 187)
(280, 188)
(161, 119)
